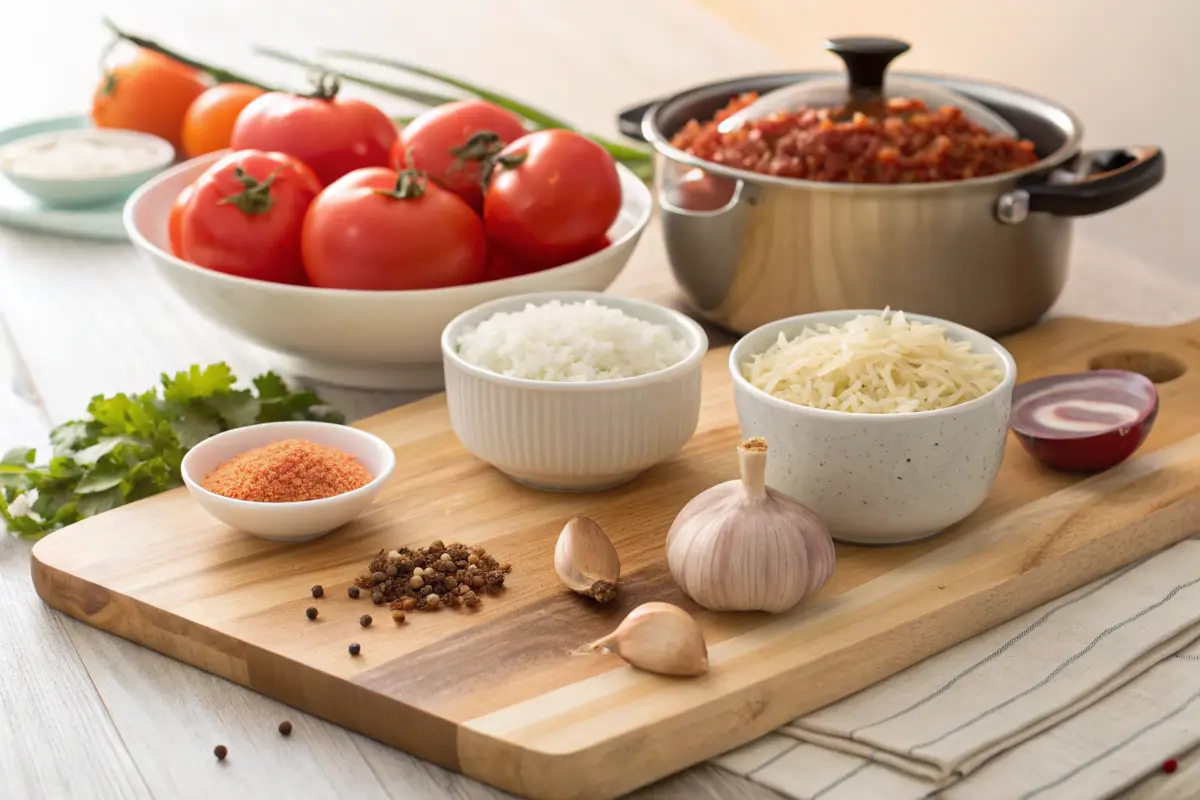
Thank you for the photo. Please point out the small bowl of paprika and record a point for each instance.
(288, 481)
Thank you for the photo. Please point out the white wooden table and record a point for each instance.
(88, 715)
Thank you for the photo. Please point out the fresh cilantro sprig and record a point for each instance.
(131, 446)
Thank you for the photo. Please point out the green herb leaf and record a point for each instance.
(198, 384)
(131, 446)
(270, 386)
(25, 526)
(72, 436)
(18, 457)
(92, 454)
(190, 431)
(236, 409)
(101, 477)
(90, 505)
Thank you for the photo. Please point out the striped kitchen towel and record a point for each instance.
(1077, 699)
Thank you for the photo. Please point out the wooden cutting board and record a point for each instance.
(495, 693)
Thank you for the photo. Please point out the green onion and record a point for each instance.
(219, 74)
(534, 115)
(416, 95)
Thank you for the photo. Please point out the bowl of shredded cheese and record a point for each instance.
(573, 391)
(891, 426)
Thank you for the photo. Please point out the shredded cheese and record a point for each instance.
(874, 364)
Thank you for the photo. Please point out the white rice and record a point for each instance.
(570, 342)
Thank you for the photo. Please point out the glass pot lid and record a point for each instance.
(864, 90)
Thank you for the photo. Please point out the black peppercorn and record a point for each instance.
(355, 649)
(353, 592)
(379, 577)
(285, 728)
(365, 620)
(377, 598)
(220, 751)
(311, 612)
(391, 571)
(318, 591)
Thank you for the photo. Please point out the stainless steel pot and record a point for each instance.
(989, 253)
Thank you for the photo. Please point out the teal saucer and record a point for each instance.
(19, 210)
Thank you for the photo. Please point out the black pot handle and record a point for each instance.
(629, 121)
(1099, 181)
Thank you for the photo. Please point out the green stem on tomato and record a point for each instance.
(410, 183)
(496, 161)
(255, 197)
(534, 115)
(415, 95)
(326, 85)
(219, 74)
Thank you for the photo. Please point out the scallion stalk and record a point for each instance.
(219, 74)
(415, 95)
(535, 115)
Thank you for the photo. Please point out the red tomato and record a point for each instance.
(501, 265)
(379, 229)
(245, 215)
(175, 223)
(551, 195)
(448, 142)
(331, 135)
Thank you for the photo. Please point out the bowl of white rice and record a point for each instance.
(890, 426)
(573, 391)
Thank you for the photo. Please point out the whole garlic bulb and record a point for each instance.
(740, 546)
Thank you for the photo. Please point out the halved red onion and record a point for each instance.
(1084, 422)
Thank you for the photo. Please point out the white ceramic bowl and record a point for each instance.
(878, 478)
(574, 436)
(288, 522)
(83, 192)
(368, 340)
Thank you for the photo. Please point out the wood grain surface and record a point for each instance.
(496, 693)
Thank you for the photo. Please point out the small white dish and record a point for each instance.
(878, 478)
(82, 167)
(20, 210)
(288, 522)
(359, 339)
(574, 436)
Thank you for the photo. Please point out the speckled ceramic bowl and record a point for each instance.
(878, 478)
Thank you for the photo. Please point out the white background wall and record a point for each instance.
(1128, 68)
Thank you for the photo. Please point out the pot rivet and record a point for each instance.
(1013, 207)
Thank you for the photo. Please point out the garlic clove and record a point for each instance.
(659, 638)
(586, 561)
(742, 546)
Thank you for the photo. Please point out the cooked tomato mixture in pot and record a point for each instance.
(908, 144)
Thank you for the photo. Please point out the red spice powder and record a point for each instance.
(287, 471)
